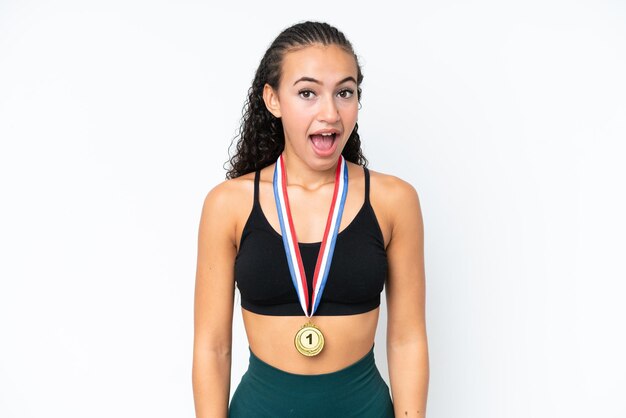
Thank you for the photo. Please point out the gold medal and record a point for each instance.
(309, 340)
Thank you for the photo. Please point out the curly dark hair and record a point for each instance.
(261, 136)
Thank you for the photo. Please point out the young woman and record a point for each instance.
(309, 258)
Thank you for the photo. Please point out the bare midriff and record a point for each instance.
(347, 339)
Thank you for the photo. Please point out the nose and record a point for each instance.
(328, 111)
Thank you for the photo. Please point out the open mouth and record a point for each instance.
(323, 142)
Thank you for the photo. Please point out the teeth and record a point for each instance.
(327, 134)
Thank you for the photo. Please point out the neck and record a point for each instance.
(300, 174)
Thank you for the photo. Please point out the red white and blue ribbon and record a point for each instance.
(290, 241)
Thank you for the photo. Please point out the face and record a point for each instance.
(317, 95)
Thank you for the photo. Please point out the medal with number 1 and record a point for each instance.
(309, 339)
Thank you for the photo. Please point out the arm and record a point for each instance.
(213, 306)
(407, 344)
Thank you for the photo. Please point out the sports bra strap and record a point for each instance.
(367, 184)
(257, 176)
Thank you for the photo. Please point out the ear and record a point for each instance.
(270, 97)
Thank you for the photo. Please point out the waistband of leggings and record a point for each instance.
(364, 366)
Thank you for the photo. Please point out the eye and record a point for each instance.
(306, 94)
(346, 93)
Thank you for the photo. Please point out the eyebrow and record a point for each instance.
(349, 78)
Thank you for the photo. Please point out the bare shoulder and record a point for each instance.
(397, 199)
(227, 201)
(388, 183)
(228, 191)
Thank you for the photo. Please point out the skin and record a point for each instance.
(305, 107)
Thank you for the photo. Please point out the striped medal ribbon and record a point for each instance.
(309, 340)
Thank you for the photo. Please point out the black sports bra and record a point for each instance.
(357, 273)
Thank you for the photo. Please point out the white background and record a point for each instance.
(507, 117)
